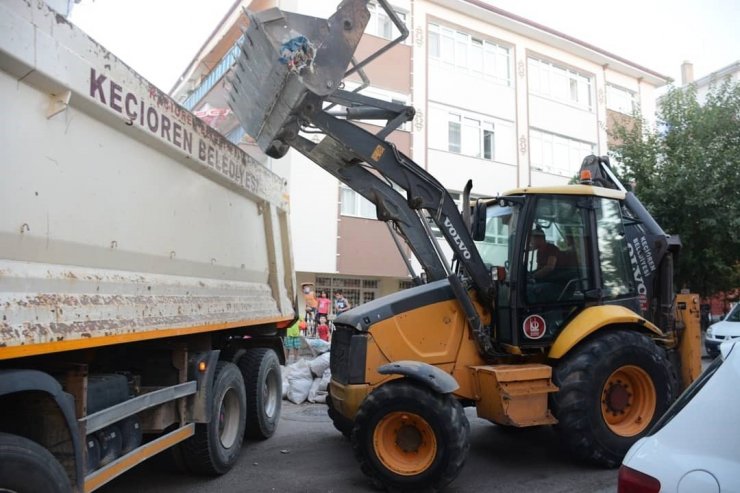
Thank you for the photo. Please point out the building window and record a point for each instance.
(354, 204)
(556, 154)
(621, 100)
(405, 285)
(380, 24)
(454, 134)
(461, 51)
(357, 291)
(560, 83)
(470, 135)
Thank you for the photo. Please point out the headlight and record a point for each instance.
(710, 331)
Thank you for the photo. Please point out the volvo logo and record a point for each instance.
(456, 238)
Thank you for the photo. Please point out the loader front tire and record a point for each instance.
(408, 438)
(342, 424)
(612, 389)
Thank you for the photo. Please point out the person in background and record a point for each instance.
(341, 304)
(323, 329)
(324, 306)
(293, 340)
(309, 297)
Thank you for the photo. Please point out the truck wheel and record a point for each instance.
(408, 438)
(260, 368)
(612, 389)
(27, 467)
(215, 447)
(342, 424)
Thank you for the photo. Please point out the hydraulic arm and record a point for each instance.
(287, 83)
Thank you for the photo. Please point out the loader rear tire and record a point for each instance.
(408, 438)
(612, 389)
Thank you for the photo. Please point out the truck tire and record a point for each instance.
(408, 438)
(612, 389)
(215, 447)
(260, 368)
(27, 467)
(342, 424)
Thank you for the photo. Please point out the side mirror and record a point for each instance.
(478, 226)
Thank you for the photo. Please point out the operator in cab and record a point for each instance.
(547, 255)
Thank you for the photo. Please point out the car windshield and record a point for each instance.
(734, 315)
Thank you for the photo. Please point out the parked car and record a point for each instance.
(695, 446)
(727, 328)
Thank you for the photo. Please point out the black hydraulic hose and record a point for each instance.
(481, 334)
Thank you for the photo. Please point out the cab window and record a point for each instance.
(615, 265)
(556, 251)
(495, 249)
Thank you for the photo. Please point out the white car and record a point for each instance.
(695, 446)
(727, 328)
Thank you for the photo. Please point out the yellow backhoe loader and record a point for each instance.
(557, 308)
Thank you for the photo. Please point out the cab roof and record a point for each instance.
(608, 193)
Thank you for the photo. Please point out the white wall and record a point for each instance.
(453, 170)
(479, 94)
(541, 179)
(558, 118)
(313, 213)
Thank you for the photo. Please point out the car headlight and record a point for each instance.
(710, 332)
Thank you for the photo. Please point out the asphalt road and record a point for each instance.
(307, 455)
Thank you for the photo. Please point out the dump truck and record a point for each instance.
(556, 308)
(146, 273)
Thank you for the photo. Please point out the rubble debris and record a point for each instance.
(298, 54)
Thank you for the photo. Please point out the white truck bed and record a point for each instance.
(123, 217)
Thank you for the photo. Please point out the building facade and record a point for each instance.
(704, 84)
(499, 99)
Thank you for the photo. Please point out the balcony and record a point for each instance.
(214, 77)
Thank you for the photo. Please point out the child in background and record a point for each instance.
(293, 340)
(312, 303)
(323, 329)
(341, 304)
(324, 306)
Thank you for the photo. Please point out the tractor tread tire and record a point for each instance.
(449, 423)
(342, 424)
(581, 376)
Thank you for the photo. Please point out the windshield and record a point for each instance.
(500, 227)
(734, 315)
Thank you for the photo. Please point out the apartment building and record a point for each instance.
(500, 99)
(704, 84)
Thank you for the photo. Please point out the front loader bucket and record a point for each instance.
(285, 57)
